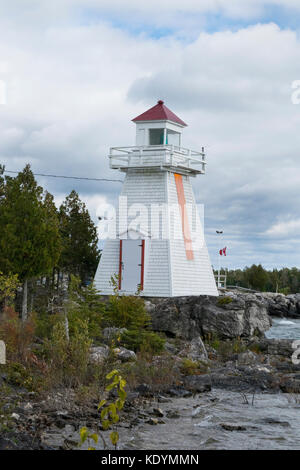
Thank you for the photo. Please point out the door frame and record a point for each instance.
(142, 264)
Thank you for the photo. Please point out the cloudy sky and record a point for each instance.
(77, 71)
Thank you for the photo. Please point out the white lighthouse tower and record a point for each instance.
(159, 248)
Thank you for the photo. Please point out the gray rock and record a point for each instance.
(158, 412)
(28, 407)
(195, 350)
(233, 427)
(198, 383)
(277, 347)
(173, 414)
(99, 354)
(247, 357)
(170, 348)
(125, 354)
(179, 392)
(198, 316)
(152, 421)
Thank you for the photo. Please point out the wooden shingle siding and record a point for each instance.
(168, 272)
(190, 277)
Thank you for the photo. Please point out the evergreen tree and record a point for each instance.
(80, 254)
(29, 235)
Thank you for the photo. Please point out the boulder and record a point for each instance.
(198, 383)
(98, 354)
(280, 305)
(225, 316)
(125, 354)
(195, 350)
(277, 347)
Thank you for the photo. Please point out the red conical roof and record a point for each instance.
(159, 112)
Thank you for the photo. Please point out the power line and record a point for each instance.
(70, 177)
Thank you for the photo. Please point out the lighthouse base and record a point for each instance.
(154, 268)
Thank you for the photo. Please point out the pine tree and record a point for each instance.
(29, 235)
(80, 253)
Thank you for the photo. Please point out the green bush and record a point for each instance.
(143, 339)
(224, 301)
(128, 311)
(189, 367)
(146, 370)
(68, 360)
(18, 375)
(85, 304)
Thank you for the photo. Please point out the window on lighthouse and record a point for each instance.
(173, 138)
(156, 136)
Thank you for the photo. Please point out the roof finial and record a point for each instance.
(160, 102)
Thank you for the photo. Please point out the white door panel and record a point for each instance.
(131, 265)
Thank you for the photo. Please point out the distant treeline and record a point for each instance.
(285, 280)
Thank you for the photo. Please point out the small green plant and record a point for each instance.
(143, 340)
(157, 372)
(68, 358)
(213, 341)
(128, 311)
(224, 301)
(109, 415)
(6, 409)
(188, 367)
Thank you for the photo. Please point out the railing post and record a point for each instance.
(172, 154)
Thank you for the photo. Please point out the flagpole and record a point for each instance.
(219, 232)
(219, 268)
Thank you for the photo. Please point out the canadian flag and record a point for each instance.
(223, 251)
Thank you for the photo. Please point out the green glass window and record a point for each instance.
(156, 136)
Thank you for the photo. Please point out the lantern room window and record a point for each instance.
(173, 138)
(156, 136)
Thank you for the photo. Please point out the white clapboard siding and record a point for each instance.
(143, 187)
(189, 277)
(167, 270)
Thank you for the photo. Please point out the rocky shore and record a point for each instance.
(213, 343)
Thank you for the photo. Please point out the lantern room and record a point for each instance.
(158, 126)
(158, 144)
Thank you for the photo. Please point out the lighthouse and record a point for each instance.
(158, 247)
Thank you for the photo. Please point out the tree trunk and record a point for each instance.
(66, 324)
(24, 301)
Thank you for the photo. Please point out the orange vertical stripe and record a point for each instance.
(120, 265)
(142, 264)
(184, 217)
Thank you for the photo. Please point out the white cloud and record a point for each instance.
(74, 88)
(285, 228)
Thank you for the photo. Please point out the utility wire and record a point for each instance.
(70, 177)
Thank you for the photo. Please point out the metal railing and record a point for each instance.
(157, 155)
(221, 280)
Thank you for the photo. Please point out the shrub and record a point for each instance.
(129, 312)
(142, 340)
(85, 303)
(157, 373)
(224, 301)
(68, 360)
(19, 375)
(18, 335)
(126, 312)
